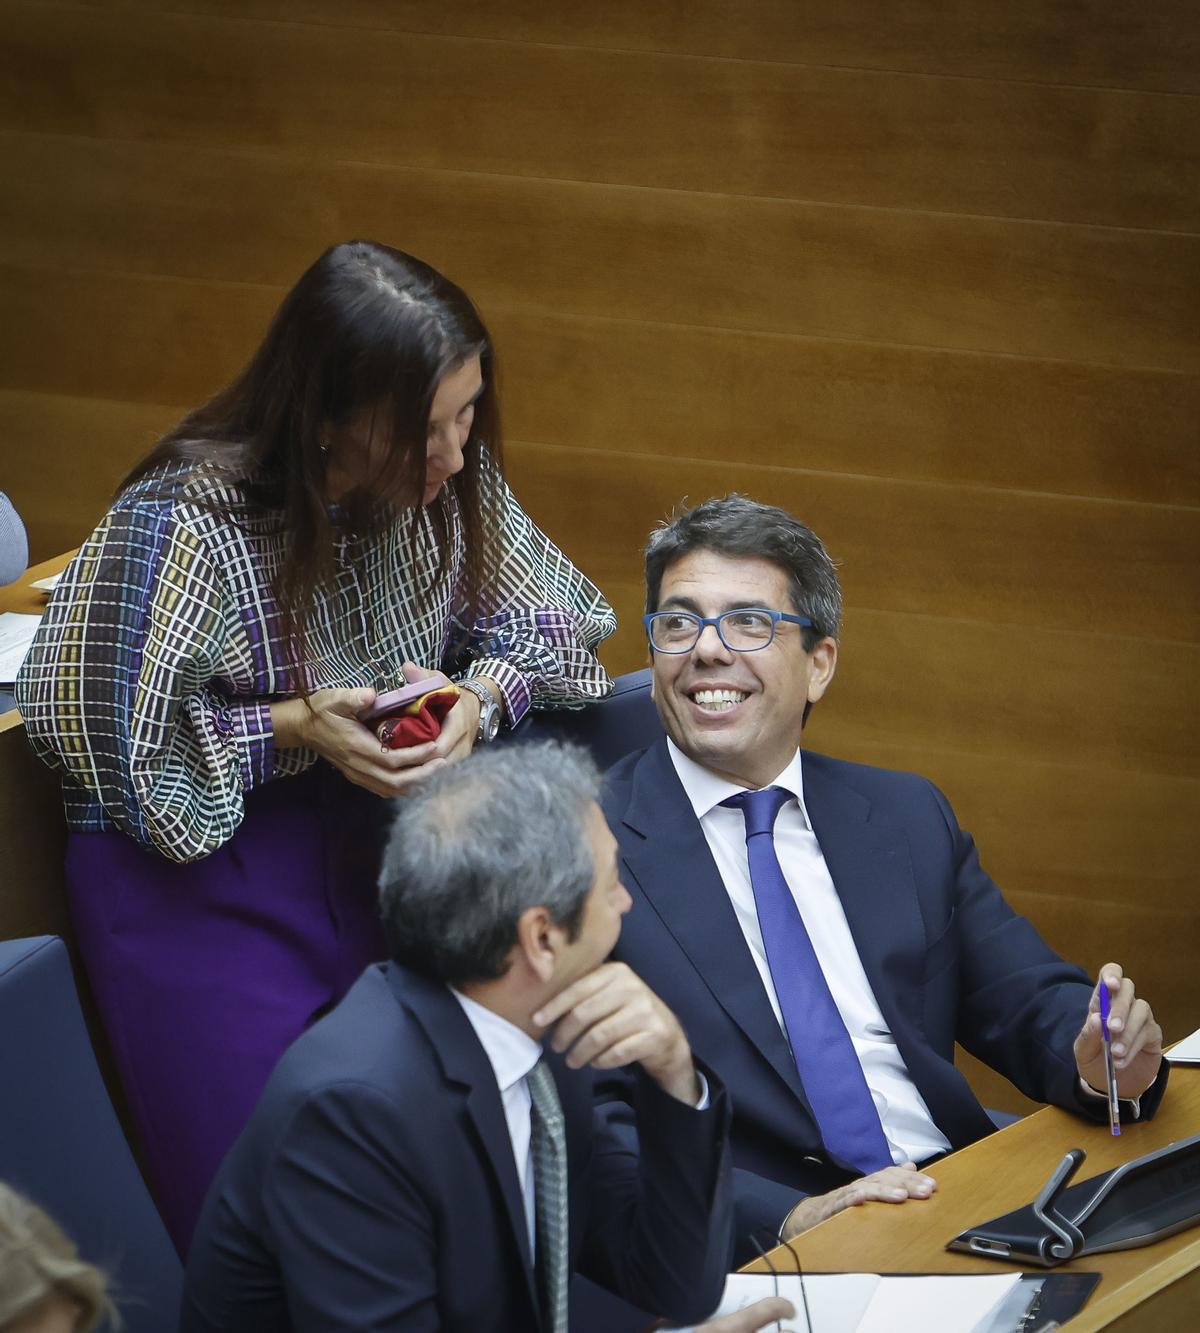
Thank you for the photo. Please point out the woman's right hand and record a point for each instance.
(327, 722)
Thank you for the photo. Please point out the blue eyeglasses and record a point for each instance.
(744, 630)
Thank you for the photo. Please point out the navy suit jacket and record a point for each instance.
(375, 1186)
(946, 957)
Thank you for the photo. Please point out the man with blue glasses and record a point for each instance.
(824, 930)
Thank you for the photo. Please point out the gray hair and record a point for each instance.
(738, 526)
(476, 846)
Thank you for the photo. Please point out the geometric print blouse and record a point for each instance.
(149, 681)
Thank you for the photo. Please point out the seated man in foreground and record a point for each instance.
(824, 930)
(417, 1161)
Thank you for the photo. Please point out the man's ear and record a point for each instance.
(822, 663)
(539, 941)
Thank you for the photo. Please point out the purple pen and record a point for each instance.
(1114, 1109)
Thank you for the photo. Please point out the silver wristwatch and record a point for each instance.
(489, 711)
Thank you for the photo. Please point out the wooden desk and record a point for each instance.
(21, 596)
(1154, 1288)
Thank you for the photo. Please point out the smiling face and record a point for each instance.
(737, 714)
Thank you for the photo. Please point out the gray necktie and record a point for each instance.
(548, 1142)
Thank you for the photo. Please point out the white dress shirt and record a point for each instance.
(512, 1054)
(907, 1124)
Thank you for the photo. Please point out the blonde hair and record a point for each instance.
(38, 1262)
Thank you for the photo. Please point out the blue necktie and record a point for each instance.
(824, 1054)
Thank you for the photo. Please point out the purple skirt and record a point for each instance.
(204, 973)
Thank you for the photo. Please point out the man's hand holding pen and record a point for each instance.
(1136, 1038)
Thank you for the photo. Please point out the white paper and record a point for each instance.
(16, 634)
(1187, 1051)
(836, 1301)
(48, 584)
(868, 1303)
(935, 1304)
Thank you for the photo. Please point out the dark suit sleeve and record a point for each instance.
(761, 1207)
(760, 1204)
(353, 1238)
(1097, 1110)
(660, 1226)
(1019, 1005)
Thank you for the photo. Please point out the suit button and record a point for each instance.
(809, 1158)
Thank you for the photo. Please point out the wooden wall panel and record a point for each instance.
(1015, 693)
(928, 275)
(852, 407)
(1067, 293)
(1018, 560)
(1156, 948)
(1019, 692)
(1153, 47)
(166, 340)
(1088, 832)
(770, 129)
(675, 391)
(64, 457)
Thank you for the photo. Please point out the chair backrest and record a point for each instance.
(61, 1144)
(627, 720)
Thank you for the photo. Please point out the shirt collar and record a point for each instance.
(511, 1052)
(705, 790)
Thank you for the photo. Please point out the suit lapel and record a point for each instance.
(466, 1066)
(672, 865)
(871, 867)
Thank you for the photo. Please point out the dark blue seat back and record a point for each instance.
(61, 1144)
(627, 720)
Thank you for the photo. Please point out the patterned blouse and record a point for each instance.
(149, 682)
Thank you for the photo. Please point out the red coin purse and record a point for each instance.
(400, 720)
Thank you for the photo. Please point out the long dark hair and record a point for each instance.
(366, 327)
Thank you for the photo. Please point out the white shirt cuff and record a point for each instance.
(703, 1103)
(1134, 1103)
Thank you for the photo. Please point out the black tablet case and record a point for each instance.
(1133, 1204)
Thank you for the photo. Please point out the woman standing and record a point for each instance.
(330, 524)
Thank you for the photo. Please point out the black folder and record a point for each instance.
(1042, 1299)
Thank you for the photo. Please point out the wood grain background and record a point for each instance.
(928, 275)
